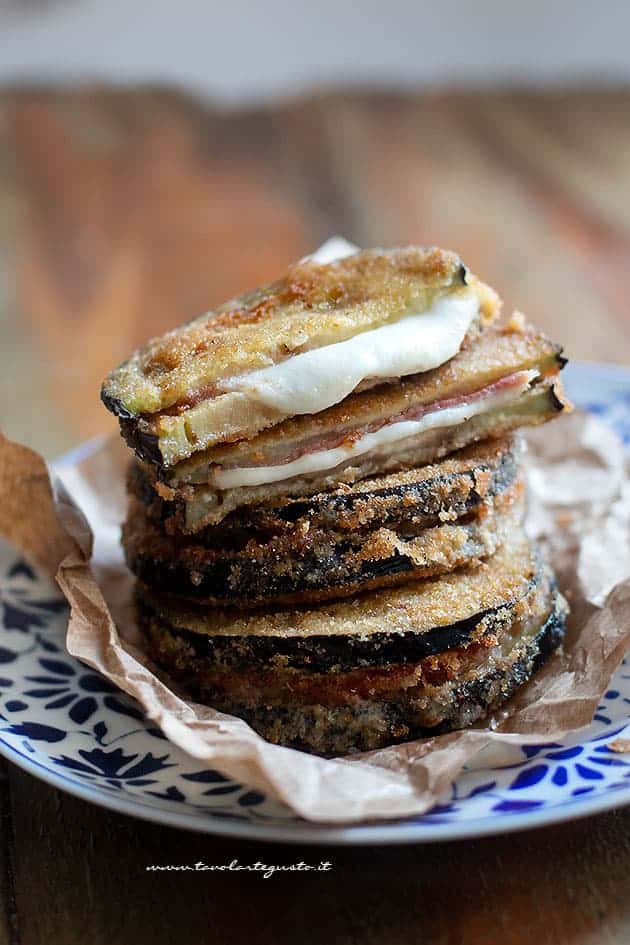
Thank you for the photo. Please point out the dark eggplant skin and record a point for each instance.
(334, 653)
(347, 729)
(251, 582)
(135, 432)
(426, 500)
(139, 437)
(557, 402)
(115, 406)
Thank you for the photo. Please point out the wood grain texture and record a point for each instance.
(81, 877)
(8, 912)
(124, 213)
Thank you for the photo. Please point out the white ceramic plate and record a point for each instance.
(64, 724)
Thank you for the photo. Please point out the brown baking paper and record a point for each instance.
(579, 503)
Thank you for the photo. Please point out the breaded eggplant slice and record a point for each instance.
(505, 381)
(310, 564)
(296, 346)
(364, 709)
(546, 400)
(414, 712)
(422, 497)
(500, 365)
(400, 625)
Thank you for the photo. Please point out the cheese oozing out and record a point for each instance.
(392, 433)
(314, 380)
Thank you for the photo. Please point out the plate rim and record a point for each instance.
(311, 833)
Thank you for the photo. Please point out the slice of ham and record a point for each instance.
(343, 438)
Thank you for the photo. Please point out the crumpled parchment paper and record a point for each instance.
(579, 504)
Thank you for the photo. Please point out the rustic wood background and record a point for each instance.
(123, 213)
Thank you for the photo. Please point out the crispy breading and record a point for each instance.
(496, 355)
(308, 564)
(168, 439)
(423, 496)
(415, 608)
(278, 684)
(203, 505)
(313, 305)
(368, 709)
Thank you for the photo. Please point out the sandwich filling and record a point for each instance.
(332, 326)
(315, 458)
(314, 380)
(425, 495)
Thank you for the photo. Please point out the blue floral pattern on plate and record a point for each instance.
(66, 724)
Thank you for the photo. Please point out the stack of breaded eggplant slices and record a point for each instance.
(326, 500)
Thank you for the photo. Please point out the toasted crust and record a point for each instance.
(311, 306)
(323, 652)
(369, 724)
(364, 709)
(423, 496)
(309, 564)
(283, 683)
(202, 505)
(496, 355)
(413, 609)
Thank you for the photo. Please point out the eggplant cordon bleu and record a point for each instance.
(326, 500)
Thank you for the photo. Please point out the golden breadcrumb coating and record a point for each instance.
(280, 685)
(204, 505)
(424, 495)
(494, 356)
(313, 305)
(414, 608)
(309, 564)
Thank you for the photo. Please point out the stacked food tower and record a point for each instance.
(326, 504)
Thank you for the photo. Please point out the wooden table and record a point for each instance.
(124, 213)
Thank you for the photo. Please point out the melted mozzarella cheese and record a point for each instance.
(391, 433)
(333, 249)
(314, 380)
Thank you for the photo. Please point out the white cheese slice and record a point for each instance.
(391, 433)
(314, 380)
